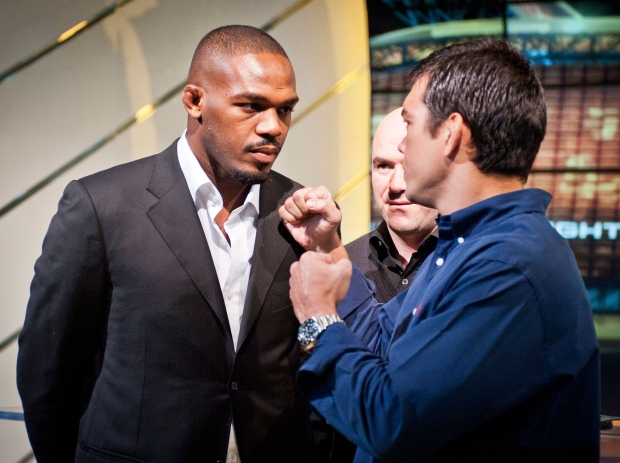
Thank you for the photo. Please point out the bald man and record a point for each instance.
(159, 326)
(391, 254)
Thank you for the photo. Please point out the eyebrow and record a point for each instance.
(407, 116)
(263, 99)
(379, 160)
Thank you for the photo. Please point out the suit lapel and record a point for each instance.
(175, 217)
(270, 250)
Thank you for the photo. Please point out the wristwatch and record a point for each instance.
(310, 329)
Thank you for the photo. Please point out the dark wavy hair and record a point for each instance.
(494, 88)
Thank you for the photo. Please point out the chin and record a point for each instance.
(250, 178)
(409, 223)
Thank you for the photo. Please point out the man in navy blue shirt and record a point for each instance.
(491, 354)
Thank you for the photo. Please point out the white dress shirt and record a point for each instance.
(232, 261)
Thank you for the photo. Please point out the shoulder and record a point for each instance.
(359, 249)
(528, 241)
(275, 190)
(525, 245)
(129, 172)
(360, 244)
(137, 172)
(277, 181)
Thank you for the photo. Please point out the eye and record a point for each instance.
(285, 110)
(250, 107)
(383, 167)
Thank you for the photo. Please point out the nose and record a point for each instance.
(397, 181)
(269, 124)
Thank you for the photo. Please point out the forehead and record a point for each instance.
(387, 150)
(256, 73)
(415, 98)
(390, 133)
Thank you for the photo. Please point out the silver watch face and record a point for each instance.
(308, 331)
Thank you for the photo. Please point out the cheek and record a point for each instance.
(406, 173)
(379, 186)
(409, 171)
(285, 126)
(407, 164)
(378, 199)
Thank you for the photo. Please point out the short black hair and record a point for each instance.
(234, 40)
(496, 91)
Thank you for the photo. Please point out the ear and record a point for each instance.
(193, 97)
(457, 135)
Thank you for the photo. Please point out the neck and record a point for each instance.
(231, 200)
(233, 193)
(469, 186)
(406, 245)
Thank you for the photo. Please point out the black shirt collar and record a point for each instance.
(383, 247)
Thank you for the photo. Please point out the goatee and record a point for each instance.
(248, 178)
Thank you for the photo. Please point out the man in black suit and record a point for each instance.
(159, 326)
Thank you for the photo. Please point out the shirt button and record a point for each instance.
(229, 296)
(234, 386)
(405, 281)
(439, 262)
(460, 239)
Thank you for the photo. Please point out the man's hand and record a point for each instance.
(318, 284)
(312, 218)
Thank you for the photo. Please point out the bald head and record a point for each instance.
(228, 41)
(409, 224)
(390, 132)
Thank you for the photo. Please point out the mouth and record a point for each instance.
(399, 203)
(265, 154)
(267, 149)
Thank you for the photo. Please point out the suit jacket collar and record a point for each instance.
(175, 217)
(270, 249)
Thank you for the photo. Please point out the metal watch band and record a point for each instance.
(325, 320)
(311, 328)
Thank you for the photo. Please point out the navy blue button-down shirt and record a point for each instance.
(490, 355)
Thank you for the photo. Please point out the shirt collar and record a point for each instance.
(381, 242)
(479, 216)
(197, 180)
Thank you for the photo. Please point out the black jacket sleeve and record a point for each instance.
(64, 330)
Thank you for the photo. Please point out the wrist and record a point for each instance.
(311, 328)
(335, 249)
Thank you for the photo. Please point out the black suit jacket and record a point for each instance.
(126, 352)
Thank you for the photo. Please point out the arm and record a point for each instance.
(63, 327)
(312, 218)
(472, 358)
(372, 322)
